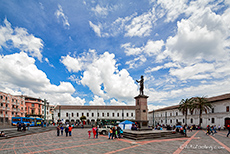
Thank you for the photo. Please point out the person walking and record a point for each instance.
(66, 131)
(89, 133)
(110, 133)
(219, 127)
(58, 130)
(62, 128)
(96, 132)
(228, 127)
(28, 126)
(70, 130)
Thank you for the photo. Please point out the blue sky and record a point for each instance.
(91, 53)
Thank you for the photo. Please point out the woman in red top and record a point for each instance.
(70, 130)
(94, 131)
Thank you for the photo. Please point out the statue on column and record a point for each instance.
(141, 85)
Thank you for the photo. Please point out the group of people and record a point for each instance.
(22, 126)
(95, 132)
(67, 129)
(116, 132)
(211, 130)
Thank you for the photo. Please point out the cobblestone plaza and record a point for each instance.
(48, 142)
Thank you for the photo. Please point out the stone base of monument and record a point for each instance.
(150, 134)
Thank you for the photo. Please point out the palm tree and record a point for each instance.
(202, 104)
(185, 105)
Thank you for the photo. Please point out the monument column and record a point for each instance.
(141, 111)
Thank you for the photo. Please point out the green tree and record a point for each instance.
(202, 105)
(185, 105)
(82, 118)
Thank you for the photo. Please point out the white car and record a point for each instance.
(105, 129)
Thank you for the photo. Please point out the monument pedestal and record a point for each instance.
(142, 112)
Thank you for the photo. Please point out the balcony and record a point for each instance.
(8, 108)
(2, 100)
(14, 109)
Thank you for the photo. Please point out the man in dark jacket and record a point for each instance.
(228, 127)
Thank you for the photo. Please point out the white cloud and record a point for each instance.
(115, 102)
(72, 64)
(173, 8)
(20, 39)
(19, 73)
(47, 60)
(136, 62)
(100, 10)
(60, 15)
(141, 25)
(104, 79)
(97, 29)
(97, 101)
(196, 71)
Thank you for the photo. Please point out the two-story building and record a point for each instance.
(218, 115)
(72, 113)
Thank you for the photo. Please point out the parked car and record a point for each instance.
(105, 129)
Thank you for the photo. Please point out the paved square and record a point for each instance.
(48, 142)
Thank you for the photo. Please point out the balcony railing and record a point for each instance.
(14, 109)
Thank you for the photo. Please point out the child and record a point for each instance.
(89, 132)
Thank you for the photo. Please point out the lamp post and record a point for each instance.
(45, 111)
(153, 120)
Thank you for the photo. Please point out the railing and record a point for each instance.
(14, 109)
(8, 108)
(3, 100)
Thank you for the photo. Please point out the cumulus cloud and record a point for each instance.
(19, 73)
(105, 80)
(97, 101)
(61, 16)
(21, 39)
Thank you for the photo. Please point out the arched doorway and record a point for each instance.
(227, 121)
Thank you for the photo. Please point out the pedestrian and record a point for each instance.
(96, 132)
(121, 133)
(62, 128)
(58, 130)
(110, 133)
(28, 126)
(228, 127)
(114, 133)
(70, 130)
(185, 131)
(66, 131)
(24, 127)
(89, 133)
(118, 131)
(219, 127)
(17, 126)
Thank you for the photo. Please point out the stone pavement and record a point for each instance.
(48, 142)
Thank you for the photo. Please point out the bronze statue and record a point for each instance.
(141, 85)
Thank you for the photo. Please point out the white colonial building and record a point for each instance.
(218, 115)
(72, 113)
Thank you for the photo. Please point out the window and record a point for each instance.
(22, 103)
(58, 114)
(131, 114)
(145, 111)
(82, 114)
(170, 114)
(201, 120)
(212, 110)
(108, 114)
(127, 114)
(98, 114)
(227, 108)
(183, 120)
(92, 114)
(171, 121)
(32, 105)
(87, 114)
(191, 121)
(213, 120)
(113, 114)
(176, 113)
(1, 97)
(66, 114)
(72, 114)
(117, 114)
(103, 114)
